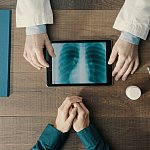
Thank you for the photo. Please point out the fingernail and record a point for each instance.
(116, 79)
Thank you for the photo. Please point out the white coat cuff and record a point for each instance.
(129, 38)
(28, 22)
(134, 29)
(39, 29)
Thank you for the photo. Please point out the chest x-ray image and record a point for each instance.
(77, 63)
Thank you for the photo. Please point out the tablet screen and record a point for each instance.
(79, 63)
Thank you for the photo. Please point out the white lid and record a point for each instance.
(133, 92)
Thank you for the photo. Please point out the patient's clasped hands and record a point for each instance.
(72, 112)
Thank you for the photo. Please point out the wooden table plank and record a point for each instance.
(121, 133)
(32, 98)
(72, 4)
(86, 5)
(8, 4)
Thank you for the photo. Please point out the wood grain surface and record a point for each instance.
(73, 4)
(125, 124)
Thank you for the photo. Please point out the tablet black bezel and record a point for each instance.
(109, 67)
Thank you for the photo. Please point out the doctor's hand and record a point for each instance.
(127, 59)
(33, 51)
(65, 119)
(82, 119)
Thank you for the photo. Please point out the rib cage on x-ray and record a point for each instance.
(96, 62)
(69, 58)
(81, 63)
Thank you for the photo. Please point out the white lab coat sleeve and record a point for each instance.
(134, 17)
(33, 12)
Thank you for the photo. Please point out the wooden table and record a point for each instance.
(124, 123)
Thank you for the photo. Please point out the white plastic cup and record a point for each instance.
(133, 92)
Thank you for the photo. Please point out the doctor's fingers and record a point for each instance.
(126, 74)
(136, 65)
(40, 58)
(123, 69)
(35, 60)
(120, 63)
(113, 56)
(28, 58)
(49, 47)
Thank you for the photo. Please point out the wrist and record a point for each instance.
(61, 129)
(81, 128)
(39, 29)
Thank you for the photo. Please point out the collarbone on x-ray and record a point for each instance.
(79, 63)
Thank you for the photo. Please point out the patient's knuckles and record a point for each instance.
(84, 114)
(87, 112)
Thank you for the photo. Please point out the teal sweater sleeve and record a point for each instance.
(91, 139)
(51, 139)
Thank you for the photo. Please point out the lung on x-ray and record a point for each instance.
(77, 63)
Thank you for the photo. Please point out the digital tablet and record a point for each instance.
(80, 63)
